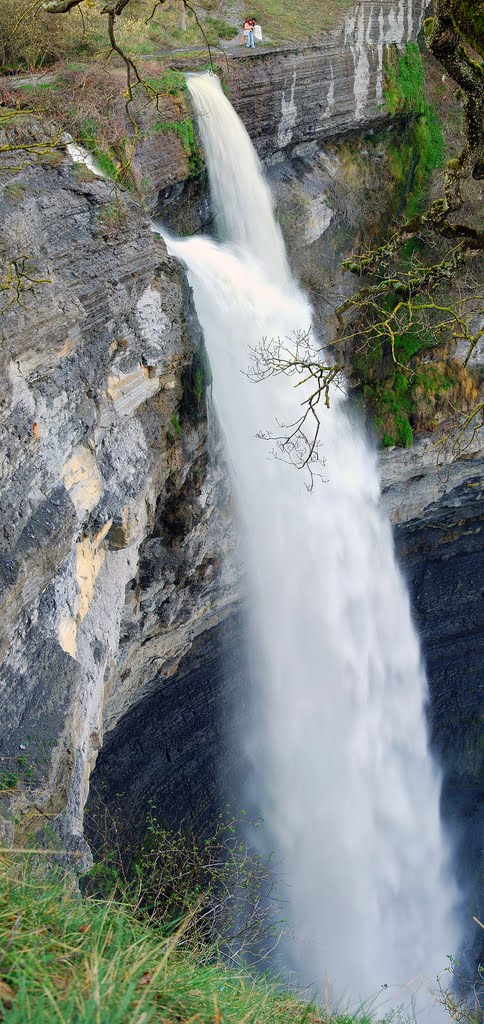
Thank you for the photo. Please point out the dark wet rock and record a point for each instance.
(438, 512)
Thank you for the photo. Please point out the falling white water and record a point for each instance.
(80, 155)
(342, 773)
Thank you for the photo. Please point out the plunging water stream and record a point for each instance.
(341, 769)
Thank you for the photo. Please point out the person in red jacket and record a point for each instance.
(249, 32)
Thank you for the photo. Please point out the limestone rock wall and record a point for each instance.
(307, 94)
(332, 198)
(112, 519)
(116, 548)
(289, 96)
(120, 586)
(438, 512)
(176, 753)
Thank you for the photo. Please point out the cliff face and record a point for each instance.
(120, 590)
(437, 512)
(176, 750)
(176, 753)
(317, 92)
(291, 96)
(333, 198)
(116, 535)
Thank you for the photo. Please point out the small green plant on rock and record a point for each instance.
(88, 136)
(8, 781)
(176, 425)
(196, 378)
(14, 190)
(82, 173)
(112, 215)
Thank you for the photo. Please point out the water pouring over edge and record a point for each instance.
(340, 767)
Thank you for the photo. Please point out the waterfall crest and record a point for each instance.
(341, 769)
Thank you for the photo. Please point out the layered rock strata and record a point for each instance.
(116, 544)
(286, 97)
(176, 754)
(295, 95)
(438, 512)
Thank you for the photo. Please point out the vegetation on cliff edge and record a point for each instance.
(69, 958)
(30, 38)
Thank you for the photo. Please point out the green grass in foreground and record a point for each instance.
(67, 958)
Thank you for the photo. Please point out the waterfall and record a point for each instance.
(341, 769)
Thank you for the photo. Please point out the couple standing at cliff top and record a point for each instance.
(251, 33)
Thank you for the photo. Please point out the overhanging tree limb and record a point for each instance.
(452, 26)
(60, 6)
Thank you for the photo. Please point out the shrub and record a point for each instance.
(30, 38)
(221, 889)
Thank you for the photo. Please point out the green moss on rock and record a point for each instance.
(423, 149)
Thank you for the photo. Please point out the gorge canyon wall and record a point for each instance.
(116, 529)
(292, 96)
(122, 595)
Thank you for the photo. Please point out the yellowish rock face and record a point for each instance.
(82, 479)
(129, 390)
(90, 555)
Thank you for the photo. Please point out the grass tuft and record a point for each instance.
(70, 958)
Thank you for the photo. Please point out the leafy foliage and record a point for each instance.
(401, 365)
